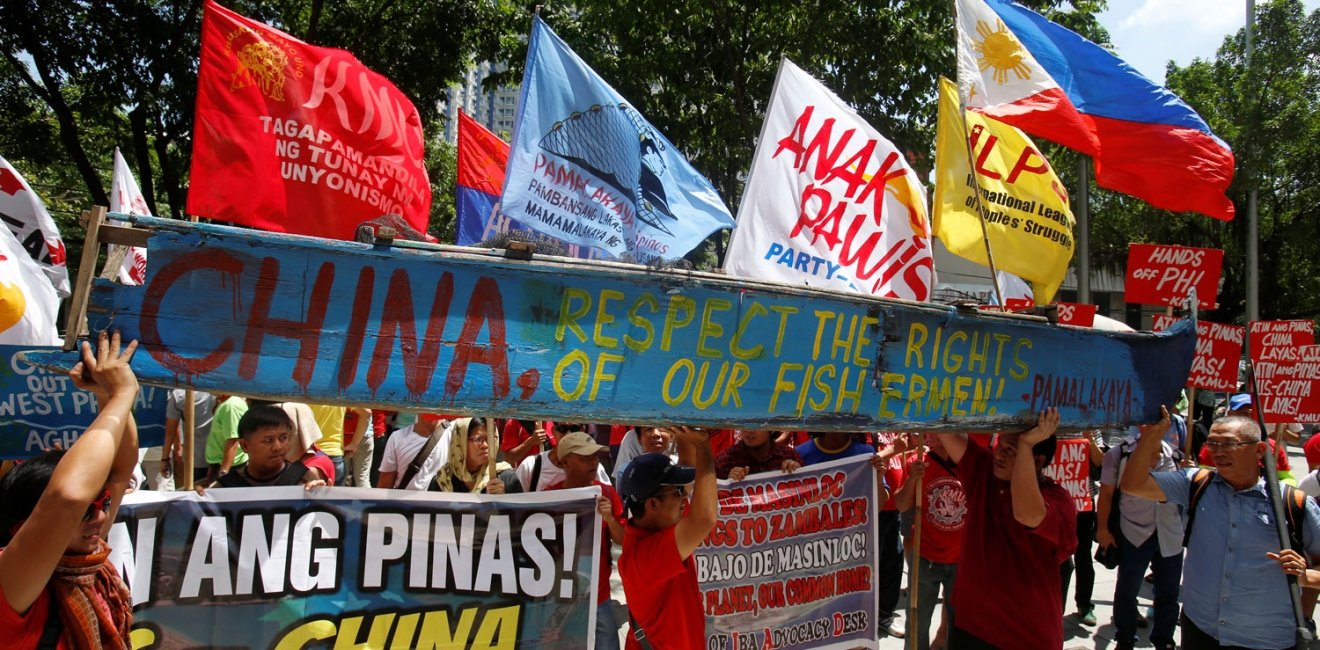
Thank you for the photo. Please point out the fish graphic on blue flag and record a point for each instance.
(585, 167)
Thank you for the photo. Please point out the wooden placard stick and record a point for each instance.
(1190, 419)
(189, 439)
(75, 323)
(918, 516)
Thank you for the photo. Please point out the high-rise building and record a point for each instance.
(495, 109)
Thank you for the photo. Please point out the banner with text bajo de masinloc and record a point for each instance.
(290, 137)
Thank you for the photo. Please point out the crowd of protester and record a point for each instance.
(999, 547)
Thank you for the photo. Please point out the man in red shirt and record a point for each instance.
(943, 517)
(657, 567)
(580, 456)
(1006, 593)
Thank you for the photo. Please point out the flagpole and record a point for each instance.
(1082, 211)
(971, 166)
(1253, 235)
(976, 192)
(915, 551)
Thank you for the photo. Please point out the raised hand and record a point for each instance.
(1045, 427)
(1157, 428)
(106, 373)
(690, 435)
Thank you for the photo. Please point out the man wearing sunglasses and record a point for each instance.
(1233, 594)
(58, 587)
(657, 567)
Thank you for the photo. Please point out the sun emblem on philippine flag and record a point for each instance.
(999, 49)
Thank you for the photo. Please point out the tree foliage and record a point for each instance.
(1270, 116)
(79, 77)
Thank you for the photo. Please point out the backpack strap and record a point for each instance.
(1200, 481)
(416, 464)
(534, 486)
(293, 474)
(1295, 512)
(948, 465)
(639, 634)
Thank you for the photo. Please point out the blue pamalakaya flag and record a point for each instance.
(586, 168)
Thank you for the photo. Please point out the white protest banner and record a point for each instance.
(792, 560)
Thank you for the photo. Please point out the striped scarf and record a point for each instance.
(93, 601)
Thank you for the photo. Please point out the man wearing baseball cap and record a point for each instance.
(580, 456)
(657, 568)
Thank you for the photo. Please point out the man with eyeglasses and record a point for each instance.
(1235, 590)
(657, 567)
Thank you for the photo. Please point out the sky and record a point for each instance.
(1150, 33)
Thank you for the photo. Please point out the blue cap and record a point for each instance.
(647, 473)
(1239, 401)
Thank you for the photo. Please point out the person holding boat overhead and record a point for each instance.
(58, 587)
(1235, 588)
(658, 567)
(1006, 593)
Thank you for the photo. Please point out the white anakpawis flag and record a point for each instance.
(126, 197)
(830, 202)
(30, 223)
(29, 305)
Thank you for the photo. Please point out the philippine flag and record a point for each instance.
(1024, 70)
(481, 159)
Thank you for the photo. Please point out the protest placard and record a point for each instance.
(1160, 274)
(40, 408)
(792, 560)
(1276, 349)
(1071, 469)
(1079, 315)
(1218, 349)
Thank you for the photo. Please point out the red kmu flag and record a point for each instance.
(290, 137)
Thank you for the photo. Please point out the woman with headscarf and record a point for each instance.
(57, 585)
(462, 461)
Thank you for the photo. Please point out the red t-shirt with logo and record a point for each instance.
(944, 512)
(1006, 592)
(662, 590)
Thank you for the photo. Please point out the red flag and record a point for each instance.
(482, 156)
(290, 137)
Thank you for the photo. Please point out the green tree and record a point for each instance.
(82, 77)
(1270, 116)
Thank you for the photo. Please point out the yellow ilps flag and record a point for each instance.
(1026, 205)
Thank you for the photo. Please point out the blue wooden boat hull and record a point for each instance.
(462, 330)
